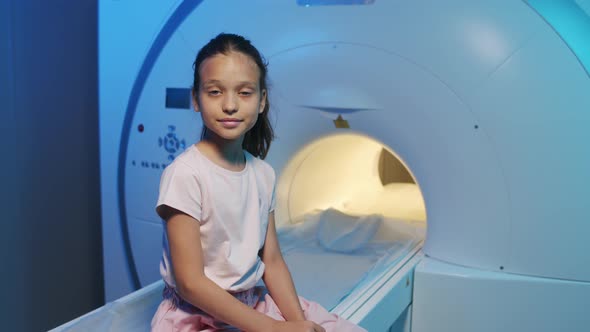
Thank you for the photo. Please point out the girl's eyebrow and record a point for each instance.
(211, 82)
(248, 84)
(242, 83)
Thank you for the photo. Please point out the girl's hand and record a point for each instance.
(298, 326)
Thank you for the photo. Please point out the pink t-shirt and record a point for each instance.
(232, 208)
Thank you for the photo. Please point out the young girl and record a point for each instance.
(217, 200)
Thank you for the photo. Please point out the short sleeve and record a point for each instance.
(180, 189)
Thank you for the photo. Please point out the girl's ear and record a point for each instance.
(262, 102)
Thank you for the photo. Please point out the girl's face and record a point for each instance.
(229, 96)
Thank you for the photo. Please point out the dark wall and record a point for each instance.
(51, 243)
(11, 301)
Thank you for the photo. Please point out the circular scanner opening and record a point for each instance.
(352, 173)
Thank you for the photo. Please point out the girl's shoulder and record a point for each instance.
(186, 162)
(259, 164)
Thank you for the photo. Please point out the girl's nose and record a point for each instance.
(230, 104)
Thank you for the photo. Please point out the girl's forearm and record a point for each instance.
(279, 283)
(214, 300)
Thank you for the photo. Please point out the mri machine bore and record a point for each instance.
(471, 115)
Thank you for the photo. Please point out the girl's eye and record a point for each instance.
(245, 93)
(214, 92)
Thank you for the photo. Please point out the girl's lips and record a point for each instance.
(230, 123)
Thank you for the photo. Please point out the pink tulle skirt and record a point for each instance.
(175, 314)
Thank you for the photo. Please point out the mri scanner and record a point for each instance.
(464, 124)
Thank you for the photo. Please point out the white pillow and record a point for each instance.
(341, 232)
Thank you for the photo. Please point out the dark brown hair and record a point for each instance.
(257, 140)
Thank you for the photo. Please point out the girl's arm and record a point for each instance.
(184, 238)
(277, 276)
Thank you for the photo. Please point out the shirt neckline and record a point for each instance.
(221, 168)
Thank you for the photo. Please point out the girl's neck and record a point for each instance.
(228, 154)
